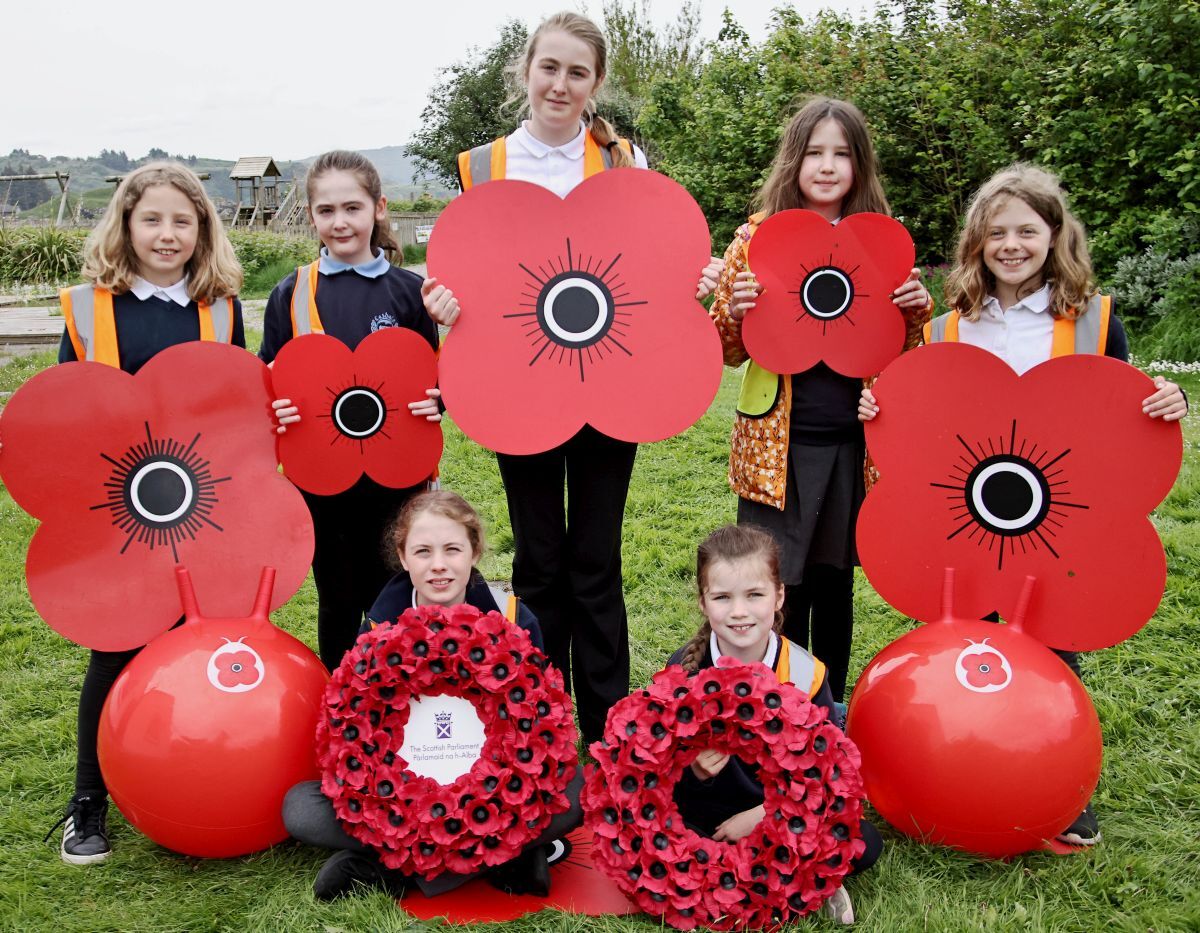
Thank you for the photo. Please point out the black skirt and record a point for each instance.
(824, 493)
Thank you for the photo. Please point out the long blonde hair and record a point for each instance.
(582, 28)
(108, 257)
(729, 543)
(1068, 267)
(367, 176)
(781, 190)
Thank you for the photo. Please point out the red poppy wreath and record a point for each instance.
(1051, 475)
(132, 475)
(789, 864)
(576, 311)
(354, 410)
(505, 800)
(827, 292)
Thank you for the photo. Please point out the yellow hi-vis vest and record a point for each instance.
(796, 666)
(488, 162)
(1087, 333)
(305, 318)
(92, 327)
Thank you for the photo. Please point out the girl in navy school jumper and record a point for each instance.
(741, 596)
(358, 292)
(162, 272)
(438, 539)
(567, 564)
(1021, 268)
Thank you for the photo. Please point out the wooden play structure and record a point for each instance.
(258, 182)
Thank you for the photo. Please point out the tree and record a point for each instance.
(23, 194)
(467, 107)
(116, 160)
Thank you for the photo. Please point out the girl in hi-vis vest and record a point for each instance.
(797, 456)
(567, 564)
(160, 271)
(351, 291)
(741, 595)
(1022, 288)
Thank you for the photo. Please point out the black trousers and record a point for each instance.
(104, 667)
(352, 561)
(823, 605)
(567, 565)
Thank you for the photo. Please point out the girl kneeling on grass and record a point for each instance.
(1022, 288)
(161, 271)
(438, 539)
(741, 597)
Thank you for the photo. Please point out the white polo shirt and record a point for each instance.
(1021, 336)
(558, 168)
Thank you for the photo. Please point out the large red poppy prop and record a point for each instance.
(354, 410)
(827, 292)
(999, 476)
(576, 311)
(131, 475)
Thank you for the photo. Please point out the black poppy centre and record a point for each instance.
(827, 293)
(1010, 491)
(359, 412)
(160, 493)
(577, 310)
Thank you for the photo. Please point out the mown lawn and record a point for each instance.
(1145, 875)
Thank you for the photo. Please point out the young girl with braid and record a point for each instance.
(741, 597)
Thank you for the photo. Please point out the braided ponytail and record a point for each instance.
(693, 651)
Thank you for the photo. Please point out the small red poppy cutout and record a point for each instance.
(827, 292)
(354, 410)
(1001, 477)
(132, 475)
(582, 311)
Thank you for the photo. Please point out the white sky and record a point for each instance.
(288, 79)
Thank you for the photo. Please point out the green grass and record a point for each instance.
(1145, 875)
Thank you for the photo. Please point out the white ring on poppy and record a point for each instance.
(840, 276)
(576, 336)
(337, 413)
(145, 471)
(1022, 471)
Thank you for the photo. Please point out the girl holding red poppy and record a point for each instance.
(567, 564)
(797, 455)
(1022, 288)
(351, 291)
(741, 596)
(160, 272)
(438, 539)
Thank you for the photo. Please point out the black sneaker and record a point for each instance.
(345, 871)
(85, 831)
(1085, 831)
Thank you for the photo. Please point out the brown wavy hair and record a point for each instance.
(1068, 266)
(781, 190)
(440, 502)
(108, 257)
(729, 543)
(582, 28)
(358, 165)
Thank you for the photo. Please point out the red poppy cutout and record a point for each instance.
(132, 475)
(354, 410)
(582, 312)
(826, 292)
(1050, 474)
(236, 668)
(984, 670)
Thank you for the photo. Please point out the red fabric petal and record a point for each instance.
(827, 292)
(1077, 423)
(86, 445)
(643, 372)
(354, 410)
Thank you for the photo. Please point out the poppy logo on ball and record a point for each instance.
(235, 667)
(982, 668)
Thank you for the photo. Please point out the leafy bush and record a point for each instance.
(414, 253)
(258, 249)
(41, 255)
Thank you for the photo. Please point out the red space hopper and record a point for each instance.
(975, 735)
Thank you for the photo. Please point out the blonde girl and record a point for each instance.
(160, 271)
(797, 465)
(567, 564)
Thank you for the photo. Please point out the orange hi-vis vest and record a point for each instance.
(92, 327)
(305, 318)
(488, 162)
(1087, 333)
(796, 666)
